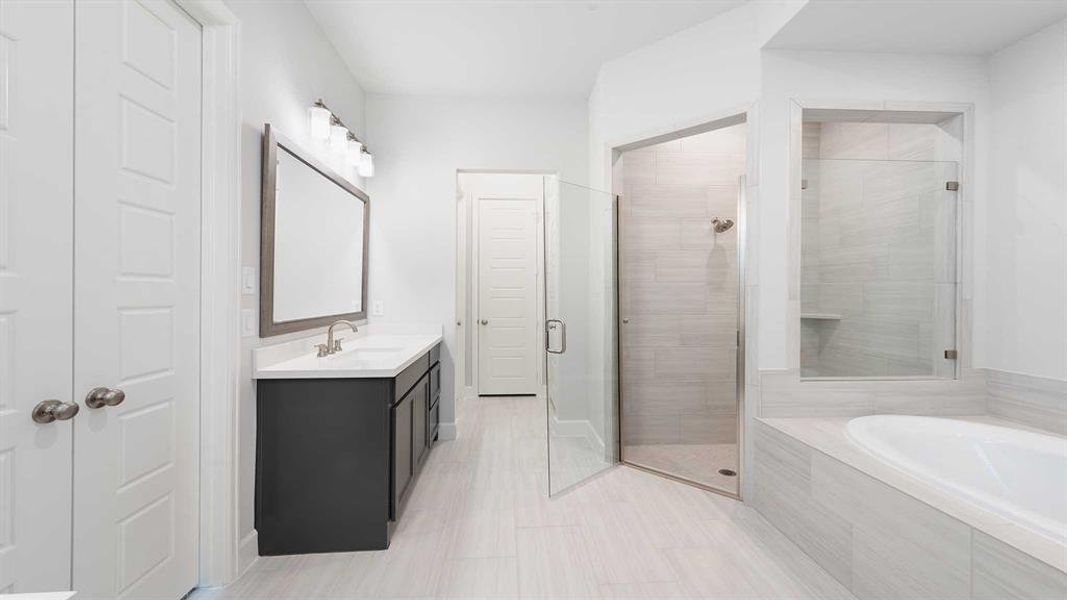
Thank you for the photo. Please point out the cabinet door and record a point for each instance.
(421, 398)
(36, 212)
(402, 468)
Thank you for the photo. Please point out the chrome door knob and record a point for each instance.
(102, 396)
(485, 321)
(47, 411)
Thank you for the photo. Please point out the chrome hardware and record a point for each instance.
(626, 320)
(102, 396)
(333, 346)
(803, 184)
(952, 354)
(484, 321)
(952, 186)
(721, 224)
(323, 350)
(47, 411)
(549, 326)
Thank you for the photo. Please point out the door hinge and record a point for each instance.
(952, 354)
(952, 186)
(803, 184)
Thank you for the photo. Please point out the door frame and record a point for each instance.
(220, 199)
(467, 242)
(721, 121)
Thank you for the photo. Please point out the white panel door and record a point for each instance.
(508, 322)
(136, 297)
(36, 195)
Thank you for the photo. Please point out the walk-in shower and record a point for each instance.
(680, 295)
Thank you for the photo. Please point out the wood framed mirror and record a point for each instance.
(314, 232)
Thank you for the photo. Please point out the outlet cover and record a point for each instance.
(248, 322)
(378, 308)
(248, 281)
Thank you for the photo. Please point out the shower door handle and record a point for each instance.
(550, 325)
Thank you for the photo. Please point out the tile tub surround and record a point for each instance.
(1034, 401)
(679, 289)
(885, 534)
(783, 394)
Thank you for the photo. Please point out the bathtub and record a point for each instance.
(1016, 474)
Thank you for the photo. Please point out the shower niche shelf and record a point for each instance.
(819, 316)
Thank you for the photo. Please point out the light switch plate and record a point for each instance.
(378, 308)
(248, 322)
(248, 280)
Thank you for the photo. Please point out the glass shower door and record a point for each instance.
(580, 332)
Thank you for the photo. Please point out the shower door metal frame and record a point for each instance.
(621, 289)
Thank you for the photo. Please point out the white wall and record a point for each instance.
(691, 77)
(285, 65)
(1025, 231)
(419, 143)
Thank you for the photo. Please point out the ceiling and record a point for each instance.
(977, 27)
(531, 48)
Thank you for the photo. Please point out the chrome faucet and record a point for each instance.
(333, 345)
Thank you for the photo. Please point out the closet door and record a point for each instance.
(36, 194)
(136, 298)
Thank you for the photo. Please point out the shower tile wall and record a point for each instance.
(878, 263)
(680, 290)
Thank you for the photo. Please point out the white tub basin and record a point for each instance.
(1017, 474)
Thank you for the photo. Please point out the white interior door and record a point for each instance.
(36, 193)
(136, 298)
(508, 322)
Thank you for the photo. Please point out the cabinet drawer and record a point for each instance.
(435, 354)
(410, 376)
(435, 383)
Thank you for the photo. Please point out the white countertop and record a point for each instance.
(369, 353)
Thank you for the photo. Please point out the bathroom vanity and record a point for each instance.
(341, 439)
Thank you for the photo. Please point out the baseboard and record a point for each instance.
(247, 552)
(446, 431)
(578, 428)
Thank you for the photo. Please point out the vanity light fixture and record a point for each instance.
(355, 152)
(319, 121)
(338, 139)
(326, 126)
(365, 168)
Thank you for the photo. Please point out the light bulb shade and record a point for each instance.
(319, 122)
(355, 152)
(366, 165)
(338, 139)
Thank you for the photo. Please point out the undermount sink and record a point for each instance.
(365, 351)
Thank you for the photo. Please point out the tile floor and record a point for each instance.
(479, 525)
(695, 462)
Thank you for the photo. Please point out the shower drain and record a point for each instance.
(728, 472)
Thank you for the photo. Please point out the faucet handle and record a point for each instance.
(336, 345)
(323, 349)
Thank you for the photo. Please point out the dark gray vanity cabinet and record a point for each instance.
(337, 458)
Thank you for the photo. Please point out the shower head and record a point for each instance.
(721, 224)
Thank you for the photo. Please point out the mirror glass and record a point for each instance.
(878, 250)
(314, 246)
